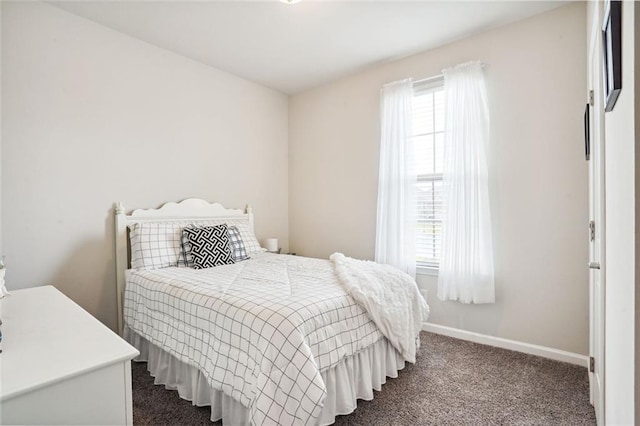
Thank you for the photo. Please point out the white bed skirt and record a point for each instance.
(354, 378)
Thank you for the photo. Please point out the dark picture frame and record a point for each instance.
(612, 53)
(587, 135)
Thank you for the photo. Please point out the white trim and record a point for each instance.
(513, 345)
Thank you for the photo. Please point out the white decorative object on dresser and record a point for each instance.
(59, 364)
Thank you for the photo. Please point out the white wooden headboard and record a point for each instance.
(190, 209)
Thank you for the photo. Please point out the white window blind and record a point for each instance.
(428, 137)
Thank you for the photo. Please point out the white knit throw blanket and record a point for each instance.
(390, 297)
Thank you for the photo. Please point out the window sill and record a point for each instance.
(423, 270)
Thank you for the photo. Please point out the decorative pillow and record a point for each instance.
(249, 240)
(238, 251)
(209, 246)
(236, 245)
(185, 258)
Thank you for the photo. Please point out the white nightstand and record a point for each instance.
(60, 365)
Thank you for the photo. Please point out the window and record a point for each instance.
(428, 138)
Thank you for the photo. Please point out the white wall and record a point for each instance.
(536, 78)
(91, 116)
(621, 236)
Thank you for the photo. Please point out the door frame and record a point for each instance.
(597, 213)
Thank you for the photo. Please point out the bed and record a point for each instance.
(273, 339)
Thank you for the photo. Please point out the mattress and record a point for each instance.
(261, 331)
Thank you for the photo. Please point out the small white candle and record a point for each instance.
(271, 244)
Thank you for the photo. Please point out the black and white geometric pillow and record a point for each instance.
(238, 251)
(209, 246)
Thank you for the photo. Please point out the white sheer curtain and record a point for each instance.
(396, 220)
(466, 266)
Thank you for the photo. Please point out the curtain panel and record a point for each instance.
(466, 267)
(396, 218)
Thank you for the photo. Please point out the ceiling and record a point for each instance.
(292, 48)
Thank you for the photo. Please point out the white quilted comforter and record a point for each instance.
(261, 330)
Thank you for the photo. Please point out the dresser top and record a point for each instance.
(47, 338)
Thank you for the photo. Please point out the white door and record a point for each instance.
(596, 231)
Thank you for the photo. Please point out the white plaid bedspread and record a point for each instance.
(261, 330)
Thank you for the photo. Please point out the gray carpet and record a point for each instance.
(454, 382)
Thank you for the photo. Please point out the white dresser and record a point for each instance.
(60, 365)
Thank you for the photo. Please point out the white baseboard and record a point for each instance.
(527, 348)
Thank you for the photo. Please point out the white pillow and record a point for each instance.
(156, 245)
